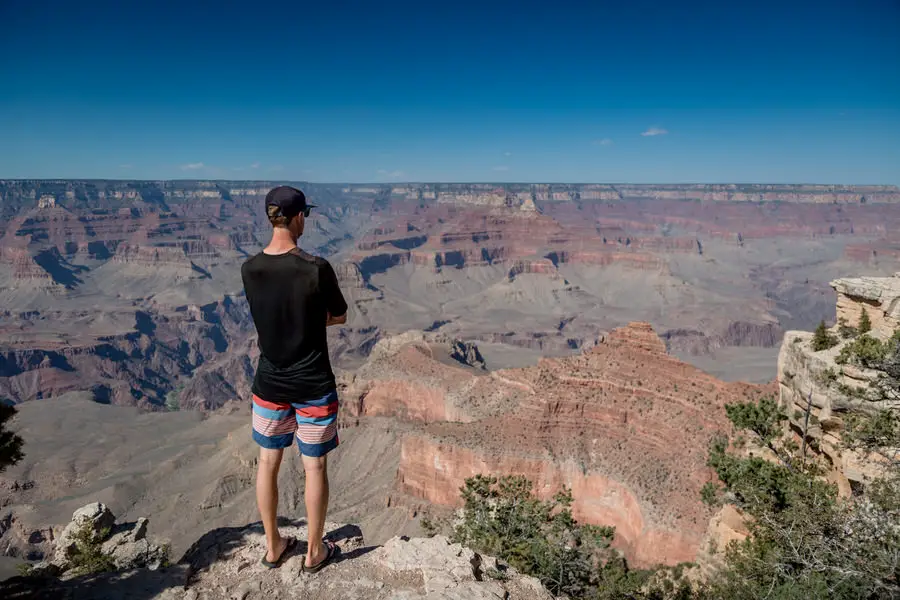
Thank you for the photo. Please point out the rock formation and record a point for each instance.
(815, 381)
(116, 547)
(878, 296)
(624, 425)
(224, 565)
(406, 377)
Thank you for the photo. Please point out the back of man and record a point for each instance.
(290, 297)
(293, 298)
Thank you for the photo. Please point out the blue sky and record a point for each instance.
(786, 91)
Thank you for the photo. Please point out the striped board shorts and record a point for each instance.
(313, 423)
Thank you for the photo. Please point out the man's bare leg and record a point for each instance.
(267, 500)
(316, 497)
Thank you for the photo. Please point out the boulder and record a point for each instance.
(130, 549)
(97, 517)
(126, 543)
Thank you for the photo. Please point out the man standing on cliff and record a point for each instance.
(293, 297)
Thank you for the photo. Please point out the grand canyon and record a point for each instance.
(588, 335)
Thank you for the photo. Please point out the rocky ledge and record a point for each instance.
(878, 296)
(819, 382)
(92, 541)
(224, 564)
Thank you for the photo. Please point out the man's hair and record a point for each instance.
(276, 219)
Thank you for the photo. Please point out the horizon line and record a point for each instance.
(437, 182)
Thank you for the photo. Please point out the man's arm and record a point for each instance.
(335, 320)
(334, 299)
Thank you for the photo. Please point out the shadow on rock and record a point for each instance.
(138, 584)
(236, 548)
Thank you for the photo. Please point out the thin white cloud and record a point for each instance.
(126, 166)
(603, 142)
(507, 154)
(500, 168)
(192, 166)
(391, 174)
(255, 165)
(655, 131)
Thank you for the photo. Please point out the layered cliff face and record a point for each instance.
(878, 296)
(162, 257)
(424, 378)
(624, 425)
(831, 389)
(24, 266)
(134, 365)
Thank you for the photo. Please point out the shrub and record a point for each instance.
(172, 401)
(10, 443)
(865, 325)
(822, 339)
(845, 330)
(502, 517)
(872, 433)
(710, 494)
(864, 351)
(88, 558)
(805, 541)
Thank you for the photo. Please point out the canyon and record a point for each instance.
(130, 289)
(586, 335)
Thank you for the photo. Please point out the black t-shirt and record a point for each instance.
(290, 295)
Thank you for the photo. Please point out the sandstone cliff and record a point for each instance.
(624, 425)
(814, 380)
(879, 296)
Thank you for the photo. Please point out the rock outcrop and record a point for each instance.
(224, 565)
(878, 296)
(93, 535)
(815, 381)
(423, 377)
(624, 425)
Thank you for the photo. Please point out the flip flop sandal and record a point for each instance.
(291, 544)
(332, 552)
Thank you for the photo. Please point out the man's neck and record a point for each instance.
(282, 241)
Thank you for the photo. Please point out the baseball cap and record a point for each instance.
(289, 200)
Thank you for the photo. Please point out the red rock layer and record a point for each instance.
(625, 425)
(408, 383)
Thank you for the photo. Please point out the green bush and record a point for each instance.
(805, 541)
(503, 518)
(710, 494)
(10, 443)
(865, 325)
(846, 331)
(822, 339)
(871, 433)
(864, 351)
(88, 558)
(172, 401)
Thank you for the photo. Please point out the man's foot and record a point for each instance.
(319, 556)
(274, 556)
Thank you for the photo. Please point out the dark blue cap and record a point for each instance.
(290, 201)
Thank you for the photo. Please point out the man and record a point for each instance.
(293, 297)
